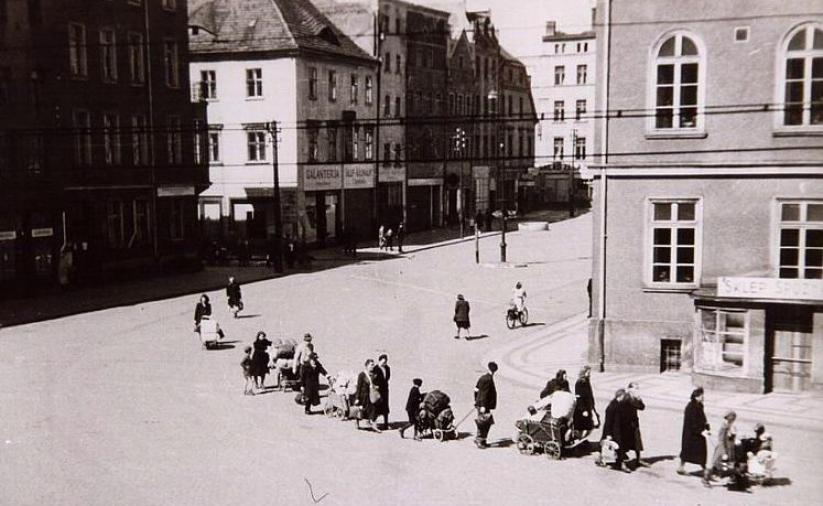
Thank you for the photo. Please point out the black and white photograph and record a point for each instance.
(411, 252)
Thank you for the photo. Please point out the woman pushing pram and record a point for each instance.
(550, 426)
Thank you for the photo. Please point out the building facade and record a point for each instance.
(709, 206)
(101, 152)
(296, 69)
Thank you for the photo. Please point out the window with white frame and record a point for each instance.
(802, 76)
(398, 154)
(674, 236)
(256, 146)
(197, 139)
(254, 83)
(354, 89)
(368, 146)
(139, 140)
(171, 63)
(331, 142)
(557, 154)
(355, 143)
(801, 239)
(579, 148)
(582, 74)
(208, 84)
(312, 132)
(579, 109)
(397, 112)
(559, 75)
(108, 56)
(677, 76)
(111, 139)
(332, 86)
(82, 137)
(137, 66)
(174, 141)
(369, 90)
(559, 110)
(312, 83)
(723, 337)
(78, 64)
(214, 144)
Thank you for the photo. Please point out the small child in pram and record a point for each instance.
(342, 389)
(549, 426)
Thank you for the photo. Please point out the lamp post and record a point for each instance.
(571, 173)
(459, 148)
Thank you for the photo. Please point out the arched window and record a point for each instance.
(802, 76)
(677, 74)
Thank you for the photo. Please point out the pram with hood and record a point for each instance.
(753, 463)
(550, 433)
(210, 332)
(282, 361)
(340, 400)
(436, 417)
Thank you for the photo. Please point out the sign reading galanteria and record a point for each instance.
(42, 232)
(770, 288)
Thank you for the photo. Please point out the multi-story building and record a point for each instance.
(709, 205)
(292, 66)
(100, 148)
(563, 84)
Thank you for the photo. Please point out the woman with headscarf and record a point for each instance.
(260, 359)
(695, 430)
(612, 428)
(461, 315)
(584, 414)
(724, 451)
(366, 391)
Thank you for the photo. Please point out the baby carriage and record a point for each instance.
(754, 463)
(210, 332)
(282, 361)
(342, 389)
(542, 432)
(436, 417)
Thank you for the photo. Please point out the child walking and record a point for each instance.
(248, 389)
(413, 408)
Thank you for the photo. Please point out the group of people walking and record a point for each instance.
(386, 236)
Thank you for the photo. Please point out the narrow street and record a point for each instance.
(122, 406)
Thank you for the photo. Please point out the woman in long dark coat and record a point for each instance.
(382, 375)
(612, 426)
(695, 427)
(310, 377)
(461, 316)
(362, 397)
(260, 359)
(630, 422)
(584, 412)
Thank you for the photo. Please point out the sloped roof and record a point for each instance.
(239, 26)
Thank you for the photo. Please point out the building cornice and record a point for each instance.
(785, 169)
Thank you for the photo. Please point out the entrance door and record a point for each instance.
(789, 352)
(332, 216)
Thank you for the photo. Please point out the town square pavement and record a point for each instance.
(121, 406)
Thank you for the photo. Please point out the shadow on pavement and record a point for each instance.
(502, 443)
(778, 482)
(241, 316)
(660, 458)
(474, 338)
(535, 324)
(220, 346)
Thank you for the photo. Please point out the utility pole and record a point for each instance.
(278, 220)
(460, 145)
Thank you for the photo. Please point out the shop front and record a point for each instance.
(336, 198)
(423, 203)
(759, 335)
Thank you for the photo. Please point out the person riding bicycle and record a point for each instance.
(519, 297)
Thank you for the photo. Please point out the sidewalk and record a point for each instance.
(533, 360)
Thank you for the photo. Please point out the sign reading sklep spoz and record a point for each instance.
(770, 288)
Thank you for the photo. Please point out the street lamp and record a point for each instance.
(460, 148)
(498, 149)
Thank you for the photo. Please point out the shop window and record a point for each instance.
(674, 227)
(177, 217)
(670, 355)
(801, 240)
(142, 224)
(723, 338)
(115, 226)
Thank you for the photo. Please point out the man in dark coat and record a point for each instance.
(413, 407)
(485, 400)
(461, 315)
(584, 412)
(382, 375)
(362, 396)
(630, 422)
(612, 427)
(310, 378)
(233, 294)
(695, 429)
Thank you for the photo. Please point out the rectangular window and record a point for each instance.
(387, 63)
(674, 227)
(214, 145)
(256, 146)
(197, 139)
(558, 148)
(369, 144)
(387, 154)
(174, 141)
(111, 139)
(137, 65)
(78, 64)
(171, 63)
(332, 85)
(354, 89)
(801, 239)
(581, 74)
(559, 75)
(139, 140)
(108, 56)
(559, 110)
(33, 153)
(115, 225)
(723, 338)
(312, 83)
(397, 107)
(387, 106)
(82, 138)
(312, 132)
(398, 154)
(397, 64)
(142, 224)
(208, 84)
(177, 220)
(369, 90)
(579, 148)
(355, 143)
(579, 109)
(254, 83)
(331, 136)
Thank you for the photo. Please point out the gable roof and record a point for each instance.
(254, 26)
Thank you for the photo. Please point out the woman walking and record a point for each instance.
(695, 430)
(367, 395)
(584, 414)
(202, 308)
(260, 359)
(310, 377)
(382, 375)
(461, 315)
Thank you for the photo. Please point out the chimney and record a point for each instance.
(551, 28)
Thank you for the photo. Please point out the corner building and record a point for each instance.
(708, 212)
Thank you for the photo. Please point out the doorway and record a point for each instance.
(789, 348)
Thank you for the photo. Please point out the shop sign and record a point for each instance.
(8, 235)
(175, 191)
(321, 178)
(770, 288)
(392, 174)
(359, 176)
(42, 232)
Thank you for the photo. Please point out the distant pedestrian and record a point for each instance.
(310, 378)
(695, 431)
(367, 395)
(381, 238)
(485, 400)
(589, 291)
(413, 402)
(724, 451)
(585, 415)
(488, 219)
(202, 308)
(461, 315)
(290, 252)
(390, 239)
(234, 296)
(248, 388)
(382, 375)
(613, 428)
(260, 360)
(244, 253)
(401, 236)
(632, 403)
